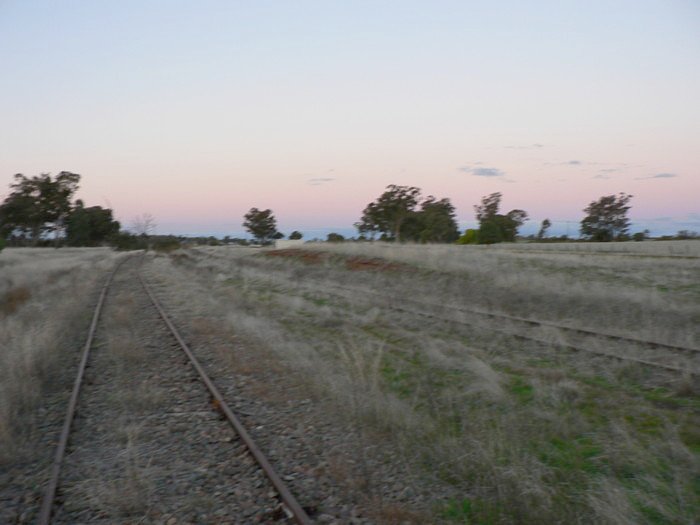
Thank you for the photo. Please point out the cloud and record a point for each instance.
(317, 181)
(603, 176)
(483, 172)
(531, 146)
(659, 176)
(574, 163)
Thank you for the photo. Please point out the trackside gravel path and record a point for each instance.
(147, 444)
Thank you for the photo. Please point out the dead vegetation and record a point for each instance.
(44, 302)
(525, 432)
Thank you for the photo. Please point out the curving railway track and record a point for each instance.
(682, 357)
(183, 427)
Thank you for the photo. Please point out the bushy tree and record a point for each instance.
(435, 222)
(495, 227)
(399, 214)
(387, 214)
(38, 205)
(606, 219)
(335, 237)
(90, 226)
(261, 224)
(471, 236)
(295, 236)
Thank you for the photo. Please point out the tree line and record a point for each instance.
(39, 211)
(402, 214)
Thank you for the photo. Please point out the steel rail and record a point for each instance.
(536, 322)
(50, 492)
(288, 500)
(566, 346)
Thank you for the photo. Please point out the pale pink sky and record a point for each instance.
(196, 113)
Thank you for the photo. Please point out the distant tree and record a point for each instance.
(488, 208)
(38, 205)
(687, 235)
(261, 224)
(606, 219)
(434, 222)
(144, 225)
(495, 227)
(278, 235)
(387, 214)
(471, 236)
(90, 226)
(295, 236)
(335, 237)
(399, 214)
(640, 236)
(543, 229)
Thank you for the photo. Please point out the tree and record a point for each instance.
(640, 236)
(435, 222)
(335, 237)
(387, 214)
(543, 229)
(38, 205)
(144, 225)
(261, 224)
(495, 227)
(470, 236)
(606, 219)
(90, 226)
(396, 215)
(295, 236)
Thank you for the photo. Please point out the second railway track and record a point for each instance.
(148, 438)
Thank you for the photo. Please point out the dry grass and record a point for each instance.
(45, 297)
(527, 433)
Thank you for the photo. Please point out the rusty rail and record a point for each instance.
(50, 493)
(533, 322)
(288, 500)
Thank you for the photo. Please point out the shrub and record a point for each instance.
(470, 236)
(166, 244)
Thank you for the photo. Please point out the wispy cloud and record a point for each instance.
(659, 176)
(317, 181)
(574, 163)
(483, 172)
(529, 146)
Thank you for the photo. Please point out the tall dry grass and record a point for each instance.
(45, 302)
(527, 434)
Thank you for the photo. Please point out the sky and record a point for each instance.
(195, 112)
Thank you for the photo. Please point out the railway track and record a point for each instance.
(448, 314)
(456, 315)
(202, 400)
(451, 313)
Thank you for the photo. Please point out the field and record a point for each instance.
(429, 357)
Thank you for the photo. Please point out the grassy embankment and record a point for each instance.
(528, 432)
(45, 302)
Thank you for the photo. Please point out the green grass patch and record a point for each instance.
(576, 455)
(648, 424)
(522, 391)
(468, 511)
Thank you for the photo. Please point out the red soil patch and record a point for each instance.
(351, 263)
(295, 253)
(381, 265)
